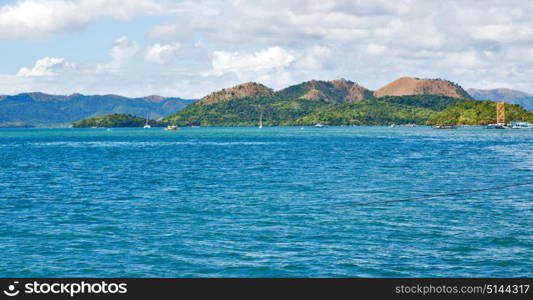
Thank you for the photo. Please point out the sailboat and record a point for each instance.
(146, 125)
(261, 120)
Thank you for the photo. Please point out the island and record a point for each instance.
(114, 120)
(337, 102)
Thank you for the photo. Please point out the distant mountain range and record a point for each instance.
(506, 95)
(405, 100)
(39, 109)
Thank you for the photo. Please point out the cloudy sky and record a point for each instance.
(188, 48)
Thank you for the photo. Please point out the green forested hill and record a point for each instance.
(281, 111)
(369, 112)
(276, 111)
(245, 112)
(382, 111)
(475, 112)
(433, 102)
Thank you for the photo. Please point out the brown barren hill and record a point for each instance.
(334, 91)
(245, 90)
(414, 86)
(353, 91)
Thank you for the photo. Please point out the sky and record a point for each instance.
(189, 48)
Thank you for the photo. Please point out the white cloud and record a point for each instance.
(48, 66)
(122, 53)
(374, 49)
(40, 18)
(280, 42)
(315, 58)
(466, 60)
(162, 54)
(114, 76)
(124, 49)
(259, 62)
(271, 66)
(176, 84)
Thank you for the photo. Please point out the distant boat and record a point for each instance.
(319, 125)
(521, 125)
(409, 125)
(393, 126)
(496, 126)
(444, 127)
(146, 125)
(171, 127)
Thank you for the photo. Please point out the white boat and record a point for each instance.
(444, 127)
(146, 125)
(319, 125)
(521, 125)
(171, 127)
(496, 126)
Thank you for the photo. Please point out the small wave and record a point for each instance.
(521, 154)
(143, 144)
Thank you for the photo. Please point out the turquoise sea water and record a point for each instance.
(271, 202)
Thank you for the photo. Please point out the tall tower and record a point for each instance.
(500, 113)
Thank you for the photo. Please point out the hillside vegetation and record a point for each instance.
(279, 111)
(368, 112)
(245, 112)
(475, 112)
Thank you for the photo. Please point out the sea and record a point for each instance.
(270, 202)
